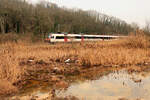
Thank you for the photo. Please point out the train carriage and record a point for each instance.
(78, 37)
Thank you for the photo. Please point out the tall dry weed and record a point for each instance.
(10, 71)
(136, 40)
(113, 56)
(131, 50)
(11, 37)
(6, 87)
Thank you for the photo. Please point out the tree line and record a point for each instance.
(21, 17)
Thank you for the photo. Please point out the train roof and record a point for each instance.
(57, 34)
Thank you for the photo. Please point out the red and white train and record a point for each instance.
(56, 37)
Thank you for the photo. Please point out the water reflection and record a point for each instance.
(111, 87)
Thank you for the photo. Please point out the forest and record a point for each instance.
(17, 16)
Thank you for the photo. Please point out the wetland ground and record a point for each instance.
(29, 69)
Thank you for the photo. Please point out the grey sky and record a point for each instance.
(129, 10)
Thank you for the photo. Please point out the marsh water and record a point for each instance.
(118, 84)
(112, 86)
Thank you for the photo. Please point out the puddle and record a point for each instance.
(111, 86)
(118, 84)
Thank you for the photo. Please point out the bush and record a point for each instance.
(140, 40)
(9, 38)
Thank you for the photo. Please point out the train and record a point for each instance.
(57, 37)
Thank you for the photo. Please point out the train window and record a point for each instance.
(78, 37)
(92, 37)
(86, 37)
(59, 37)
(101, 38)
(105, 38)
(108, 38)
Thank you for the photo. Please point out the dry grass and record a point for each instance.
(10, 71)
(129, 51)
(9, 68)
(6, 87)
(8, 38)
(113, 56)
(140, 40)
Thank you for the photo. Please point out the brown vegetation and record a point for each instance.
(6, 87)
(133, 50)
(10, 71)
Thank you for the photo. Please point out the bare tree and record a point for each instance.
(147, 26)
(47, 17)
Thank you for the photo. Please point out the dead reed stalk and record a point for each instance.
(128, 51)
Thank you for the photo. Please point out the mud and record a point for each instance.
(114, 86)
(47, 80)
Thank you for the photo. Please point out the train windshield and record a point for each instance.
(52, 36)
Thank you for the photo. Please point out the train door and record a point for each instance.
(65, 38)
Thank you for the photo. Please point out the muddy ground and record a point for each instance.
(59, 75)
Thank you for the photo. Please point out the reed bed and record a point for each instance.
(129, 51)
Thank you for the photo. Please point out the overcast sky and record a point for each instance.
(129, 10)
